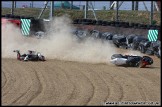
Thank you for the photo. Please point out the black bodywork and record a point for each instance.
(134, 61)
(31, 57)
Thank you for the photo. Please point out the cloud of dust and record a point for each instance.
(61, 45)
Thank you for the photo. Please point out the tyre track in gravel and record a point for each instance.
(84, 88)
(32, 92)
(56, 82)
(114, 87)
(21, 100)
(146, 85)
(59, 91)
(24, 85)
(133, 80)
(47, 86)
(9, 80)
(101, 89)
(150, 77)
(4, 79)
(14, 88)
(54, 93)
(69, 98)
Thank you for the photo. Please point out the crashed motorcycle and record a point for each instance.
(131, 60)
(30, 56)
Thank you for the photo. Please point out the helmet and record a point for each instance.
(146, 60)
(39, 54)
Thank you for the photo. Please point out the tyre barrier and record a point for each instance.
(16, 17)
(112, 23)
(131, 25)
(99, 22)
(10, 16)
(108, 23)
(89, 21)
(80, 21)
(104, 23)
(94, 22)
(75, 21)
(2, 15)
(86, 21)
(117, 24)
(131, 41)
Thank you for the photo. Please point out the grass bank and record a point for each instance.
(142, 17)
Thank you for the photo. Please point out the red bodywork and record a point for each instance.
(144, 63)
(16, 22)
(18, 56)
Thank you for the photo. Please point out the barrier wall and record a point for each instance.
(28, 25)
(152, 32)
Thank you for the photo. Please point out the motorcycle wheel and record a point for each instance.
(43, 58)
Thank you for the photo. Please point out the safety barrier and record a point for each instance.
(115, 24)
(28, 25)
(153, 31)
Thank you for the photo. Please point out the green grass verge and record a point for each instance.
(142, 17)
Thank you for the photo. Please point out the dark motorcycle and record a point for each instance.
(131, 60)
(29, 57)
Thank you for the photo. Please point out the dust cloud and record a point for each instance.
(61, 44)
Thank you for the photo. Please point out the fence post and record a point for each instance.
(151, 13)
(86, 8)
(117, 10)
(71, 5)
(136, 6)
(12, 9)
(132, 5)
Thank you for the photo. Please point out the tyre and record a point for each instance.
(94, 22)
(104, 23)
(43, 58)
(75, 21)
(149, 52)
(17, 17)
(140, 65)
(8, 15)
(99, 22)
(108, 23)
(116, 45)
(133, 61)
(80, 21)
(84, 21)
(131, 25)
(141, 49)
(2, 15)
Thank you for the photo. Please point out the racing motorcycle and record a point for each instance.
(31, 56)
(131, 60)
